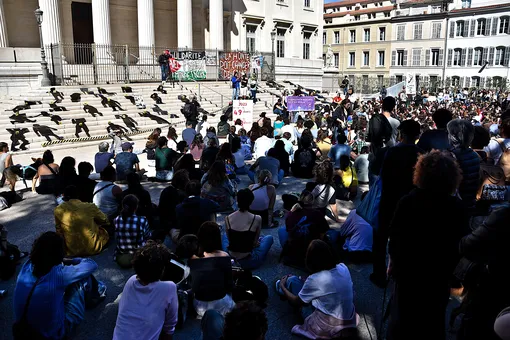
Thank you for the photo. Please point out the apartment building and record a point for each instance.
(359, 34)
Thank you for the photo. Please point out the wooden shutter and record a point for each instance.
(494, 26)
(470, 57)
(506, 60)
(452, 29)
(491, 56)
(427, 57)
(405, 58)
(472, 28)
(465, 32)
(450, 57)
(488, 23)
(426, 81)
(441, 57)
(485, 55)
(393, 58)
(463, 57)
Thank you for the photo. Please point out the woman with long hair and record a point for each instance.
(243, 232)
(5, 163)
(144, 198)
(323, 190)
(225, 155)
(325, 298)
(239, 156)
(58, 289)
(172, 138)
(47, 174)
(282, 155)
(131, 232)
(437, 177)
(254, 133)
(67, 174)
(197, 147)
(211, 272)
(217, 187)
(264, 197)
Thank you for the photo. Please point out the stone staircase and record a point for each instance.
(44, 125)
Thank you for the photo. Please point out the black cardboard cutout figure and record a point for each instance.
(161, 89)
(85, 90)
(59, 96)
(20, 118)
(159, 111)
(45, 131)
(103, 91)
(75, 97)
(149, 115)
(130, 122)
(91, 110)
(18, 135)
(19, 108)
(80, 126)
(55, 108)
(131, 99)
(115, 105)
(104, 100)
(127, 89)
(33, 102)
(157, 98)
(116, 128)
(54, 118)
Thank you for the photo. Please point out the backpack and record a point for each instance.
(504, 160)
(379, 130)
(187, 111)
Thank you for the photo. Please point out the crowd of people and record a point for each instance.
(435, 174)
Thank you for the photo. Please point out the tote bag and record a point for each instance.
(369, 207)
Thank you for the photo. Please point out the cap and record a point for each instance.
(126, 146)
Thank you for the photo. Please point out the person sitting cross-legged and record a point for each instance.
(243, 231)
(131, 231)
(265, 197)
(51, 291)
(107, 195)
(148, 307)
(81, 224)
(325, 298)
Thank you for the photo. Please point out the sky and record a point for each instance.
(328, 1)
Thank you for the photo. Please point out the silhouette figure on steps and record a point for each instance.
(127, 89)
(103, 91)
(75, 97)
(32, 102)
(91, 110)
(116, 128)
(59, 96)
(131, 99)
(54, 118)
(18, 135)
(159, 111)
(20, 118)
(161, 89)
(157, 98)
(45, 131)
(130, 122)
(85, 90)
(157, 119)
(80, 126)
(55, 107)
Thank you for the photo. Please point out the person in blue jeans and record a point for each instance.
(61, 288)
(243, 239)
(246, 321)
(270, 163)
(236, 84)
(163, 64)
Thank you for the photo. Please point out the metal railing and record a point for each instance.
(77, 64)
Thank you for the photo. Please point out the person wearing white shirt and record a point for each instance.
(290, 129)
(262, 144)
(203, 126)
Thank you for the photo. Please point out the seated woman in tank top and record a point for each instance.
(46, 175)
(264, 197)
(107, 196)
(243, 232)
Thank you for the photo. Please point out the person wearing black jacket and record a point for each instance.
(438, 138)
(487, 246)
(163, 64)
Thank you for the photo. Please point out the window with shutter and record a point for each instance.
(426, 81)
(485, 55)
(472, 28)
(488, 27)
(452, 29)
(393, 57)
(441, 57)
(491, 56)
(427, 57)
(463, 58)
(470, 57)
(494, 26)
(506, 61)
(482, 81)
(450, 57)
(405, 58)
(466, 28)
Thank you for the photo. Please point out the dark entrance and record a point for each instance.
(83, 34)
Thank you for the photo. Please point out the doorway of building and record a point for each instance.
(83, 34)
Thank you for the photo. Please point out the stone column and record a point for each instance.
(51, 30)
(4, 41)
(102, 30)
(216, 24)
(146, 35)
(184, 24)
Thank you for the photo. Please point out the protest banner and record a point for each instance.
(231, 62)
(243, 110)
(190, 65)
(257, 62)
(295, 103)
(411, 83)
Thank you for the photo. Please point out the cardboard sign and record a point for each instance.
(243, 110)
(231, 62)
(411, 83)
(300, 103)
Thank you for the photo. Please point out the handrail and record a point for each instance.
(207, 87)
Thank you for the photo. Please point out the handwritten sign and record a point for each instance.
(243, 110)
(190, 65)
(296, 103)
(411, 83)
(231, 62)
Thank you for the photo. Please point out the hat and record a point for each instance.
(126, 146)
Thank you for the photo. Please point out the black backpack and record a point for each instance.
(379, 130)
(187, 111)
